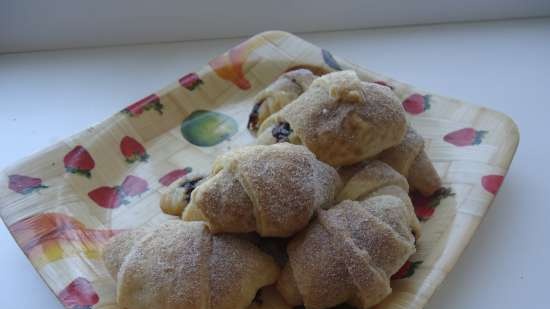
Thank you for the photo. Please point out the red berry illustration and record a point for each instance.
(132, 150)
(416, 103)
(79, 161)
(424, 206)
(107, 197)
(406, 270)
(133, 185)
(174, 175)
(78, 294)
(24, 184)
(492, 183)
(383, 83)
(150, 102)
(465, 137)
(190, 81)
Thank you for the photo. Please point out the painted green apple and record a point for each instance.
(206, 128)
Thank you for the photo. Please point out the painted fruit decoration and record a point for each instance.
(465, 137)
(150, 102)
(79, 161)
(107, 197)
(79, 294)
(330, 61)
(24, 184)
(206, 128)
(49, 237)
(406, 271)
(424, 206)
(133, 185)
(492, 183)
(132, 150)
(190, 81)
(174, 175)
(114, 197)
(416, 104)
(230, 65)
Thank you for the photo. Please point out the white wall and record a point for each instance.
(27, 25)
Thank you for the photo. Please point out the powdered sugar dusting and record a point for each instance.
(344, 120)
(280, 186)
(182, 265)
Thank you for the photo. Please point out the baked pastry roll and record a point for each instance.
(348, 254)
(272, 190)
(282, 91)
(181, 265)
(340, 118)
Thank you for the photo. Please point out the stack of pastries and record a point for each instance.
(316, 214)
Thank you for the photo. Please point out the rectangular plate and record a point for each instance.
(51, 201)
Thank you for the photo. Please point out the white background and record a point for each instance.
(48, 96)
(48, 24)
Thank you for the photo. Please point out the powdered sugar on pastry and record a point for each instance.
(279, 187)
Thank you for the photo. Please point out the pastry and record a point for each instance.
(340, 118)
(375, 178)
(174, 201)
(348, 254)
(410, 159)
(269, 298)
(272, 190)
(282, 91)
(181, 265)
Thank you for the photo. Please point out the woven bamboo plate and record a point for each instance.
(64, 203)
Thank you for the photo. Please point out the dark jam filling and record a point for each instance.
(189, 186)
(254, 116)
(258, 298)
(281, 132)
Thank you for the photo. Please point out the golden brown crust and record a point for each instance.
(410, 160)
(348, 254)
(277, 95)
(372, 175)
(341, 119)
(181, 265)
(376, 178)
(273, 190)
(423, 176)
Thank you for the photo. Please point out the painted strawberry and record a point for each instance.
(330, 61)
(424, 206)
(133, 185)
(492, 183)
(406, 271)
(383, 83)
(465, 137)
(416, 103)
(132, 150)
(149, 102)
(108, 197)
(24, 184)
(78, 294)
(174, 175)
(79, 161)
(190, 81)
